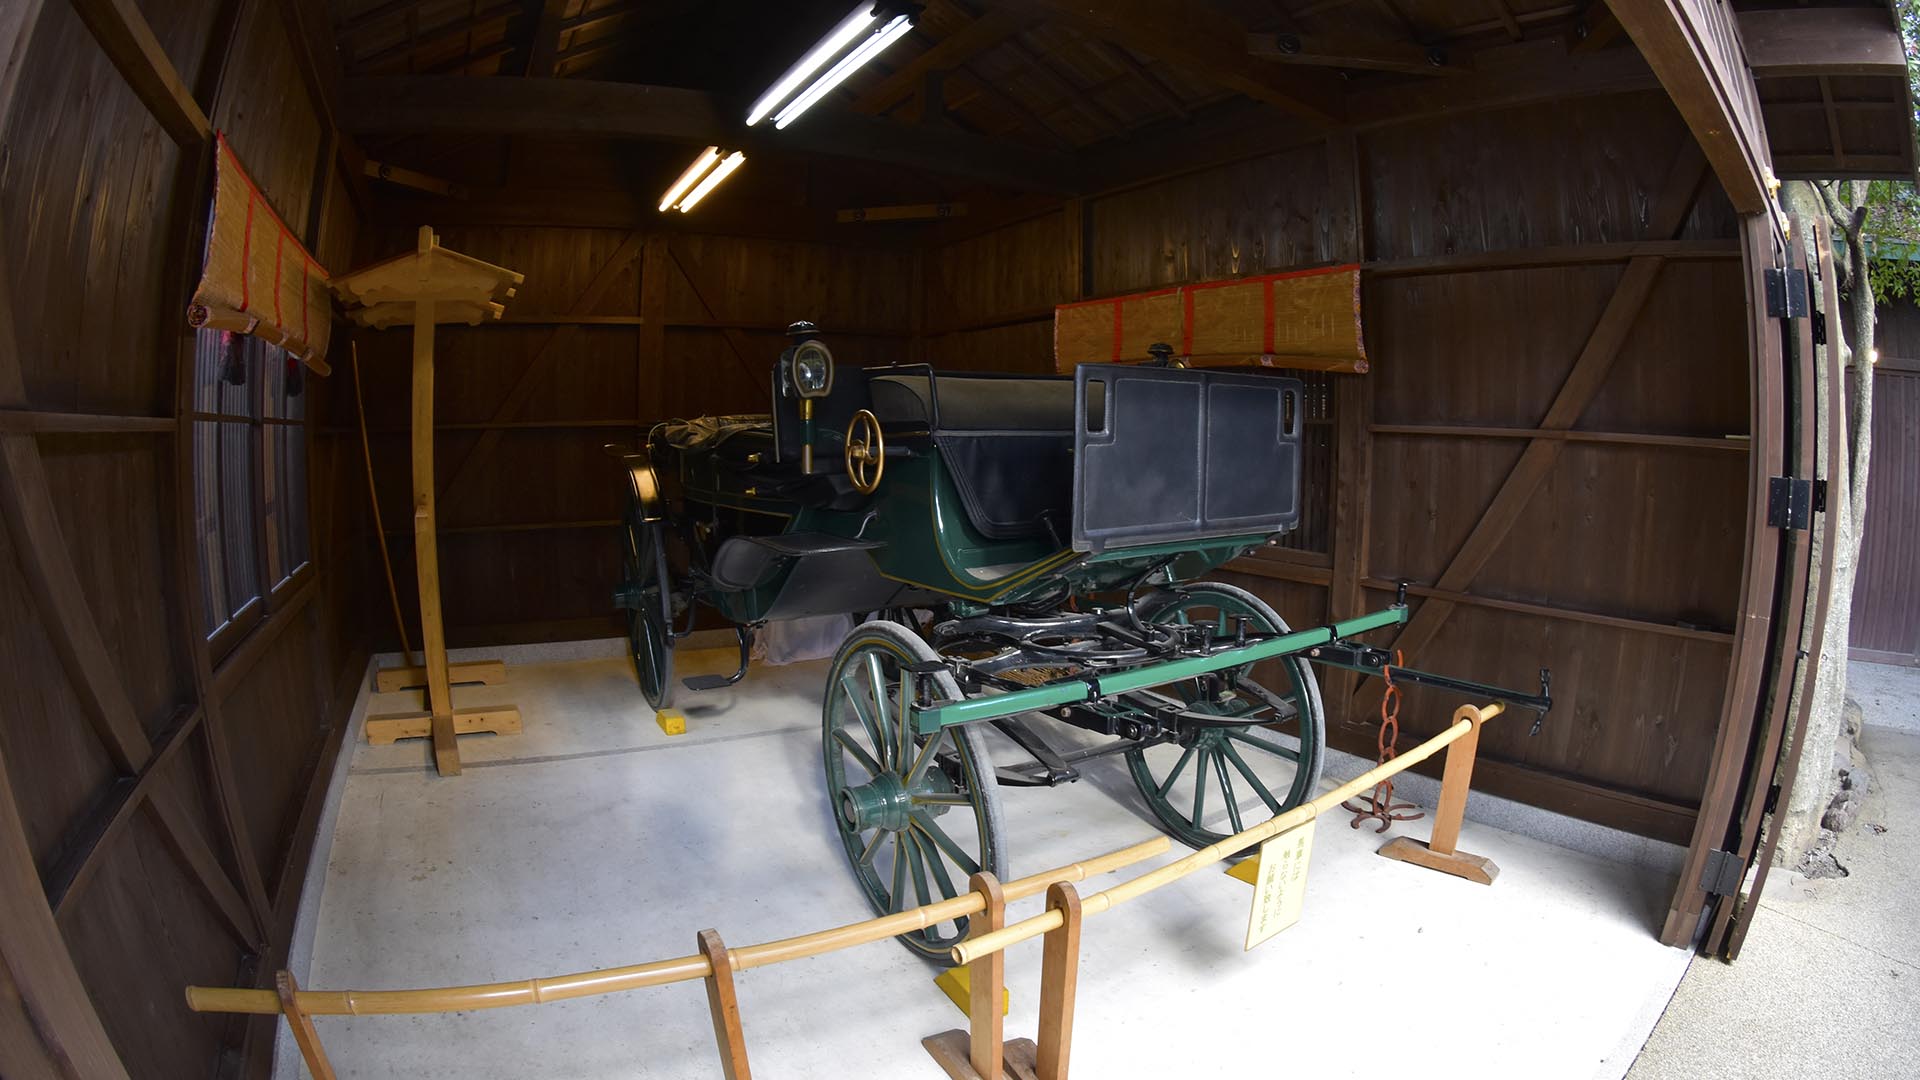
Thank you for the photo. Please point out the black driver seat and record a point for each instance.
(1006, 440)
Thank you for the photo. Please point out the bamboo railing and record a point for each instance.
(978, 1056)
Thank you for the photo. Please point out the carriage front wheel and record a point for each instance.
(917, 814)
(1253, 739)
(648, 598)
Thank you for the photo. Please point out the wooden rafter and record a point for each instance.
(444, 34)
(538, 365)
(951, 52)
(127, 39)
(1205, 42)
(1537, 461)
(546, 39)
(1348, 52)
(1145, 79)
(1695, 51)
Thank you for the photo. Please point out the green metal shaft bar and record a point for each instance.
(932, 718)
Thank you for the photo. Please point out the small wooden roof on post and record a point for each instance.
(463, 289)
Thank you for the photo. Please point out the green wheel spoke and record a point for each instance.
(1200, 787)
(964, 861)
(1259, 788)
(926, 753)
(1175, 774)
(1227, 793)
(859, 752)
(1275, 749)
(906, 718)
(899, 874)
(866, 721)
(877, 687)
(917, 868)
(939, 867)
(940, 798)
(872, 849)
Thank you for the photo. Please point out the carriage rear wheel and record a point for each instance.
(1258, 750)
(649, 604)
(917, 814)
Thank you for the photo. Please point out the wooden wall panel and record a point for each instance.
(1268, 213)
(114, 499)
(142, 904)
(83, 199)
(268, 118)
(41, 720)
(1022, 268)
(1594, 169)
(1022, 347)
(274, 726)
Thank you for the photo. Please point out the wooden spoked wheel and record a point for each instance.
(866, 452)
(1260, 757)
(917, 814)
(648, 599)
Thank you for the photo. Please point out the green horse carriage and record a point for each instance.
(1027, 554)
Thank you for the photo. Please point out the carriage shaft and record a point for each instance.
(931, 718)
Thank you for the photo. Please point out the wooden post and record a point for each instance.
(426, 548)
(1059, 982)
(307, 1039)
(986, 978)
(1456, 780)
(725, 1007)
(983, 1053)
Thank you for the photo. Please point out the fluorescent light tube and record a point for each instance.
(694, 171)
(848, 64)
(838, 38)
(721, 172)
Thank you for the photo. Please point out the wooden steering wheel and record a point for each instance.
(866, 452)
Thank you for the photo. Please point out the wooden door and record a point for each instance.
(1886, 590)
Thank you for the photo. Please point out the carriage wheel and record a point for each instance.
(1221, 777)
(918, 814)
(649, 604)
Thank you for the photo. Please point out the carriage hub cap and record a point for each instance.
(883, 804)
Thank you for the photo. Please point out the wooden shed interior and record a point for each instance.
(1561, 212)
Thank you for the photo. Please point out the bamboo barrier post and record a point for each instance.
(1456, 780)
(304, 1036)
(1059, 982)
(725, 1005)
(986, 980)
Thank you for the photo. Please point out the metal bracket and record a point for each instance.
(1819, 496)
(1787, 293)
(1789, 502)
(1721, 874)
(1819, 328)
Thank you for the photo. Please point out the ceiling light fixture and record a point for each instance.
(838, 38)
(720, 172)
(687, 179)
(855, 40)
(848, 64)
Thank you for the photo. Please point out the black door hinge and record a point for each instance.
(1787, 295)
(1819, 328)
(1819, 496)
(1721, 876)
(1789, 502)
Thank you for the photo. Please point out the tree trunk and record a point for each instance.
(1825, 734)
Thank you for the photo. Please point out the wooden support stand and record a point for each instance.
(414, 676)
(418, 286)
(725, 1006)
(304, 1036)
(1440, 853)
(982, 1053)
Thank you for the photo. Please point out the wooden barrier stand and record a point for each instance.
(978, 1053)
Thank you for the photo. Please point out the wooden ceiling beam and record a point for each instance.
(1155, 88)
(1349, 52)
(423, 105)
(444, 34)
(545, 45)
(128, 40)
(1205, 42)
(953, 51)
(1695, 52)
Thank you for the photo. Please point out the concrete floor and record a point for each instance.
(592, 840)
(1829, 981)
(1888, 695)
